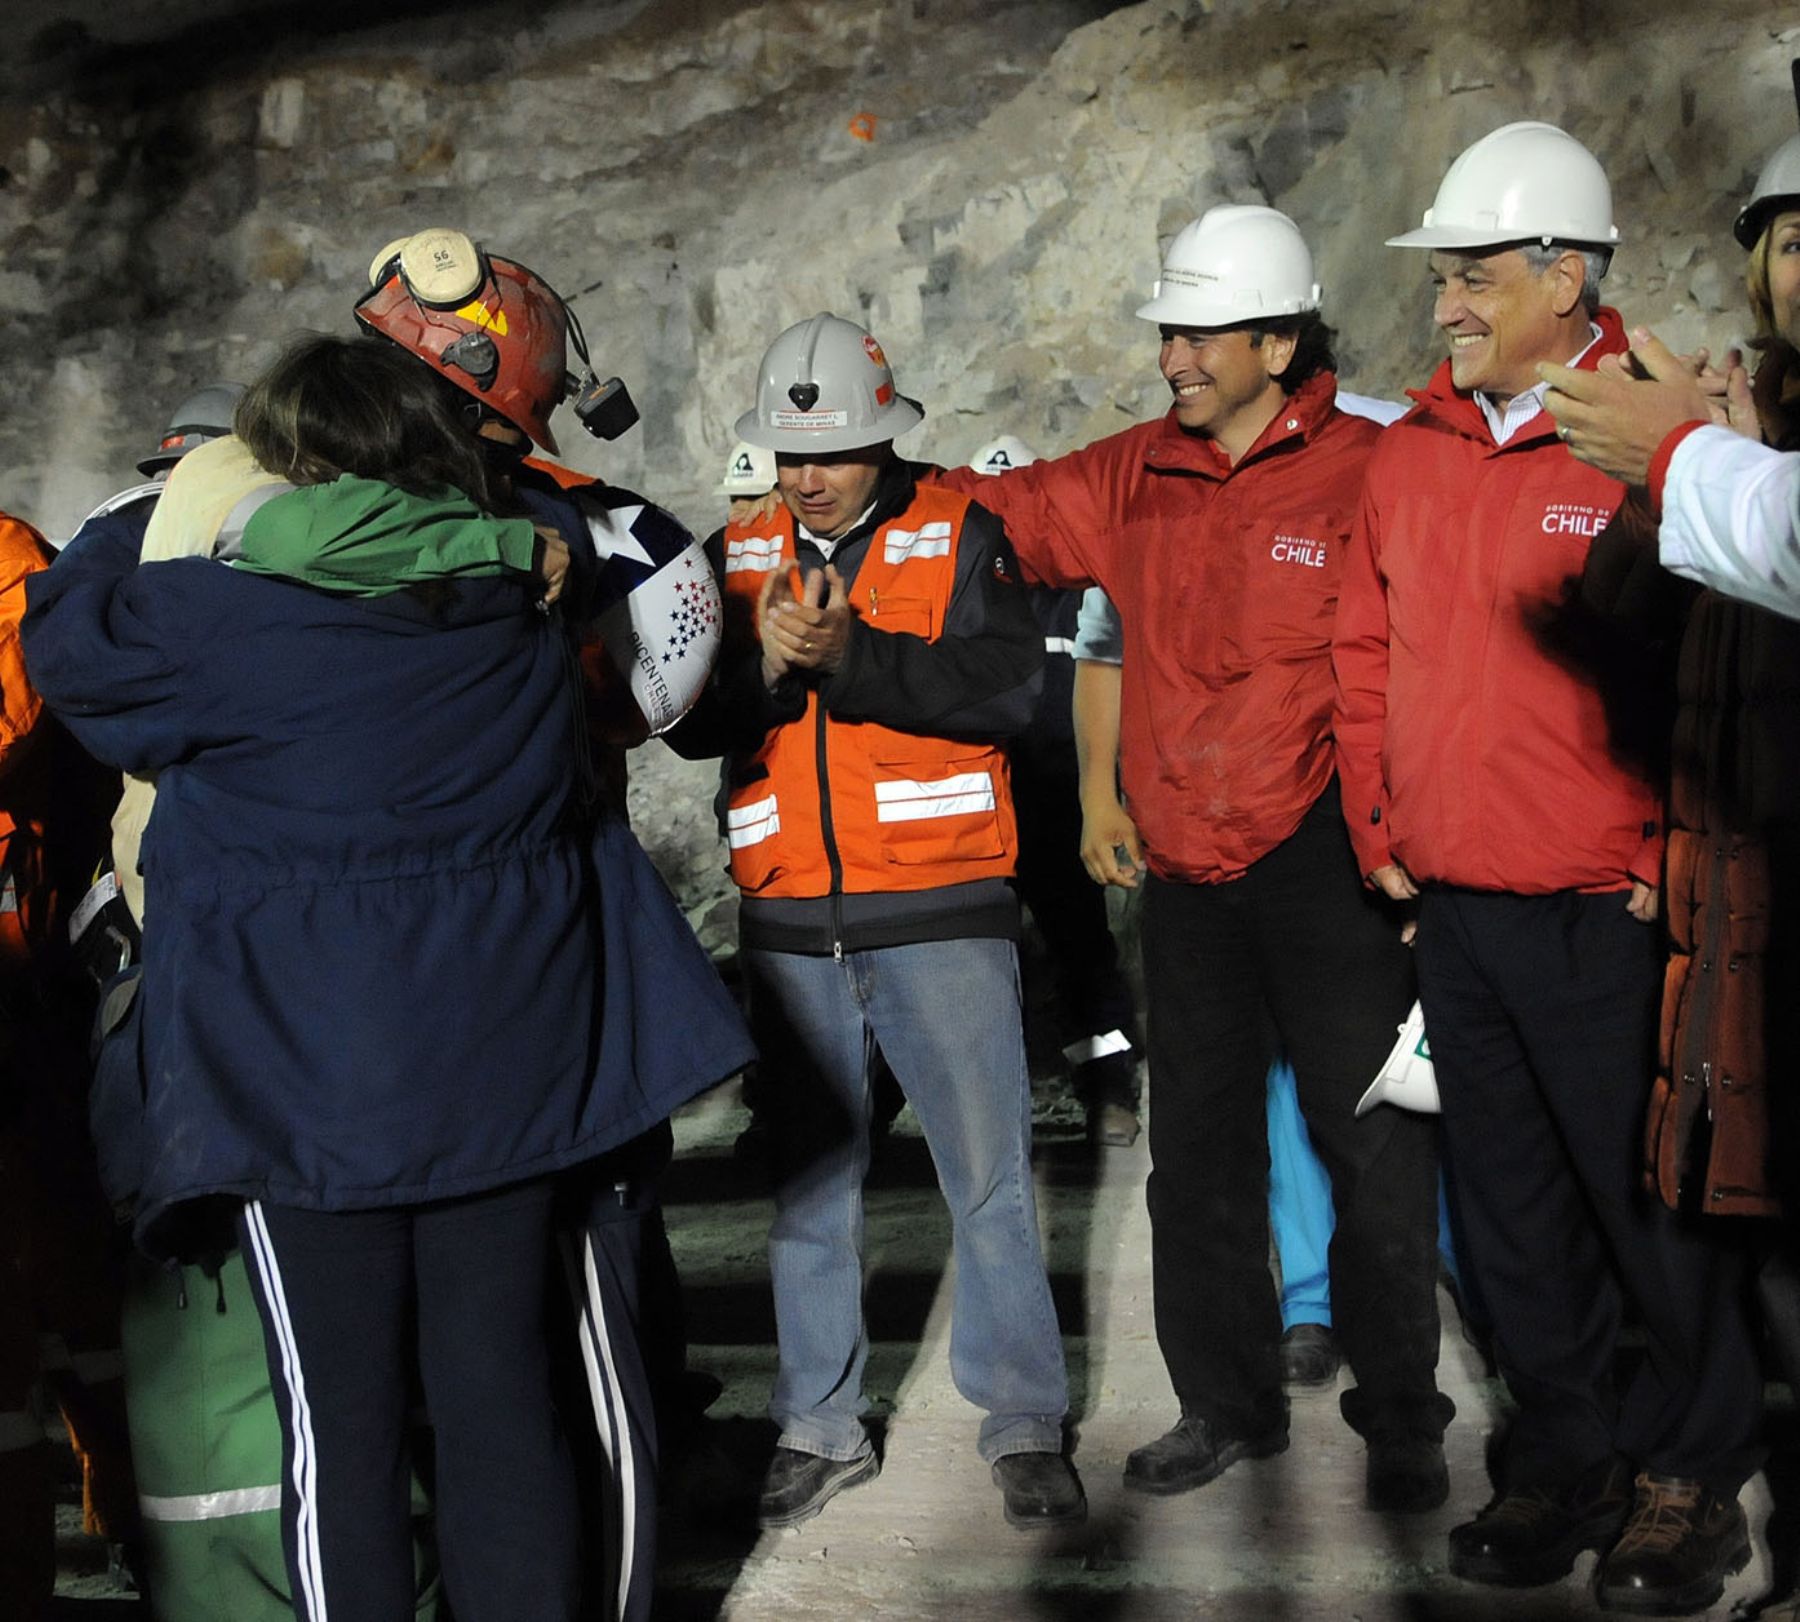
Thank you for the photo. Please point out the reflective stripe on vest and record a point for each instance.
(928, 541)
(759, 552)
(752, 824)
(904, 801)
(210, 1506)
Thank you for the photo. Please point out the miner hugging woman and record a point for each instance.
(394, 1019)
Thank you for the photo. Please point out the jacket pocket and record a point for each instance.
(938, 809)
(752, 824)
(910, 615)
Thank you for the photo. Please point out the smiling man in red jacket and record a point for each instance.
(1479, 768)
(1219, 531)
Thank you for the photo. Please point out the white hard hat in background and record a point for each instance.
(1778, 183)
(749, 471)
(1521, 181)
(1002, 455)
(825, 386)
(1407, 1078)
(1235, 263)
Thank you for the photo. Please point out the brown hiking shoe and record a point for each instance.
(1533, 1533)
(1680, 1544)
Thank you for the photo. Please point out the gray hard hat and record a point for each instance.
(1778, 183)
(825, 386)
(205, 414)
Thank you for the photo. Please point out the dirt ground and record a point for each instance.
(1284, 1540)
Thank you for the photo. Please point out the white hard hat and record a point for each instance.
(1002, 455)
(1522, 181)
(749, 471)
(1778, 183)
(1237, 262)
(826, 386)
(1407, 1078)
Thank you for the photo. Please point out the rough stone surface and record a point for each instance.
(1283, 1540)
(185, 184)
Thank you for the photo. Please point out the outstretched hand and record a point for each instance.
(1617, 416)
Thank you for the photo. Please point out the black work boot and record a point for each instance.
(1532, 1534)
(1195, 1452)
(1405, 1473)
(1112, 1124)
(1679, 1545)
(1108, 1087)
(1309, 1356)
(799, 1485)
(1039, 1489)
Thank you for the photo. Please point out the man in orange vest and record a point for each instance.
(59, 1256)
(877, 649)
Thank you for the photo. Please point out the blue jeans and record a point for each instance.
(946, 1017)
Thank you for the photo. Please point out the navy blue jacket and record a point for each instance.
(388, 957)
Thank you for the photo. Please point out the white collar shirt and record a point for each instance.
(827, 547)
(1506, 420)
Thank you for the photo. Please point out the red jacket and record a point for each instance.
(1467, 751)
(1226, 579)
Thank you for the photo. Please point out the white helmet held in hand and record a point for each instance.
(1238, 262)
(749, 471)
(825, 386)
(1407, 1078)
(1522, 181)
(1778, 184)
(1003, 455)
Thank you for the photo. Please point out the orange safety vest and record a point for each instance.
(901, 811)
(26, 890)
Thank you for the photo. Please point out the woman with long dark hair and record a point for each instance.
(373, 952)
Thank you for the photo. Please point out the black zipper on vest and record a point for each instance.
(835, 862)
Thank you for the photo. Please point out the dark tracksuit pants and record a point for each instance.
(1295, 952)
(341, 1295)
(629, 1331)
(1541, 1012)
(1069, 908)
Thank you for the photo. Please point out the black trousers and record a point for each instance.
(1541, 1012)
(631, 1337)
(1093, 996)
(342, 1295)
(1295, 951)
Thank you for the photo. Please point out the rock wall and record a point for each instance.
(986, 183)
